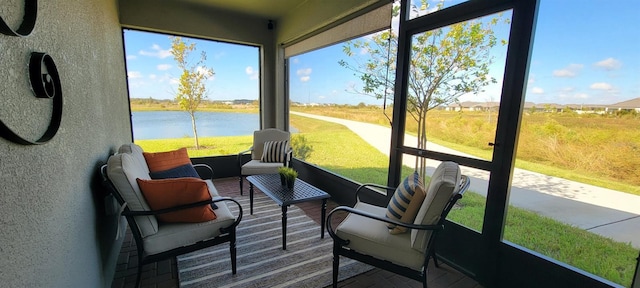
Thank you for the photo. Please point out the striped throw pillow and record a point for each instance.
(275, 151)
(406, 202)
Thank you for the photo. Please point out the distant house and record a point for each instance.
(475, 106)
(629, 105)
(243, 101)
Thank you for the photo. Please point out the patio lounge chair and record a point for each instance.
(155, 239)
(266, 159)
(365, 233)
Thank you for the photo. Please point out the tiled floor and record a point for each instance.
(164, 273)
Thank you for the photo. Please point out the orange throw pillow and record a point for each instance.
(167, 193)
(162, 161)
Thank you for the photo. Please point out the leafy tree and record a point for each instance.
(191, 85)
(445, 63)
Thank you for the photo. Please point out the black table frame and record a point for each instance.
(302, 191)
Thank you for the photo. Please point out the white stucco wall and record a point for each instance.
(53, 234)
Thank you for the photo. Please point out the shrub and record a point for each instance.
(301, 148)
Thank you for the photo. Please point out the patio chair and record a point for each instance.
(271, 150)
(366, 234)
(156, 237)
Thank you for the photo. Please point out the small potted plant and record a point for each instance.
(287, 176)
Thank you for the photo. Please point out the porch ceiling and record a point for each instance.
(259, 8)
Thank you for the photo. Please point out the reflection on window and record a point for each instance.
(420, 8)
(575, 193)
(454, 85)
(345, 125)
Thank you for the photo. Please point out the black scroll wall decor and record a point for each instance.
(43, 76)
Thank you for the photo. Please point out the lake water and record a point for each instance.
(177, 124)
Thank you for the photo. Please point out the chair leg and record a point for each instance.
(435, 259)
(139, 271)
(232, 250)
(424, 278)
(426, 266)
(241, 180)
(336, 267)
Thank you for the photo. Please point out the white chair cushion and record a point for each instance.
(123, 169)
(174, 235)
(441, 187)
(135, 151)
(371, 237)
(255, 167)
(212, 189)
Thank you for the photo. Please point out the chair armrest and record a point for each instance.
(386, 188)
(187, 206)
(239, 157)
(245, 151)
(464, 184)
(166, 210)
(205, 166)
(239, 218)
(288, 157)
(333, 235)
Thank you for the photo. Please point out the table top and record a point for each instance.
(301, 192)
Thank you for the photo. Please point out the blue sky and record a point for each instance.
(152, 72)
(585, 52)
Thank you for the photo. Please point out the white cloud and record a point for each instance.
(531, 80)
(570, 95)
(304, 74)
(609, 64)
(163, 67)
(134, 75)
(204, 71)
(537, 90)
(219, 55)
(295, 60)
(132, 57)
(253, 74)
(569, 71)
(164, 78)
(156, 51)
(581, 96)
(153, 76)
(601, 86)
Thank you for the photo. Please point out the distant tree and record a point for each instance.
(191, 85)
(445, 64)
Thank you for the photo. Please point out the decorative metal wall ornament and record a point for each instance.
(28, 21)
(45, 83)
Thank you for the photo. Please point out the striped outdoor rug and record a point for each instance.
(307, 262)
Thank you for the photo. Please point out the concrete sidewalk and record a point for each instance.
(610, 213)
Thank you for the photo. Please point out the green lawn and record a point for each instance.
(338, 149)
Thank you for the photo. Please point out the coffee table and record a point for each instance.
(284, 197)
